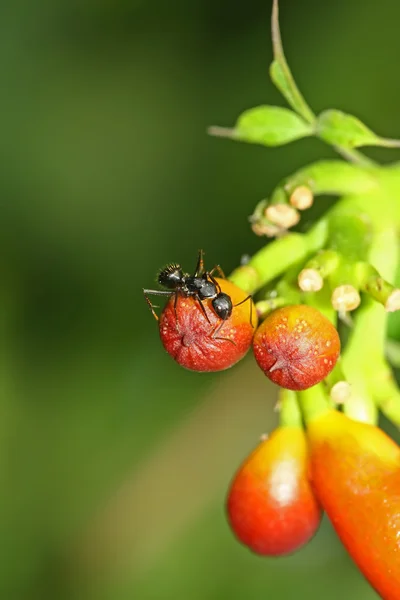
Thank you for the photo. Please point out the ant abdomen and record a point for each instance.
(222, 306)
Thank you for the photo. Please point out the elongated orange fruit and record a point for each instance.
(355, 470)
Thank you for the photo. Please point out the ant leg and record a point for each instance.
(217, 269)
(202, 307)
(216, 330)
(200, 264)
(251, 308)
(155, 293)
(215, 282)
(175, 305)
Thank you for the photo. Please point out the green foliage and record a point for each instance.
(270, 126)
(104, 106)
(339, 129)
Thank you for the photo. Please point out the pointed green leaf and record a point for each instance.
(340, 129)
(284, 85)
(270, 126)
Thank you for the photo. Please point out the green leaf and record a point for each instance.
(284, 85)
(270, 126)
(339, 129)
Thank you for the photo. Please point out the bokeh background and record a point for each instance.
(114, 462)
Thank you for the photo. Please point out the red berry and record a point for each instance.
(195, 343)
(296, 347)
(271, 506)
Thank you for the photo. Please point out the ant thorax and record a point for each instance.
(202, 287)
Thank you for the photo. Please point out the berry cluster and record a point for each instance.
(340, 462)
(327, 453)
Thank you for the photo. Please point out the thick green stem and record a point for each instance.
(275, 258)
(313, 402)
(360, 405)
(392, 352)
(289, 409)
(385, 392)
(335, 376)
(325, 262)
(322, 301)
(364, 357)
(371, 282)
(264, 307)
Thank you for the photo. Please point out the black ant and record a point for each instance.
(202, 285)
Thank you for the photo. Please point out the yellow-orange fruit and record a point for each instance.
(271, 506)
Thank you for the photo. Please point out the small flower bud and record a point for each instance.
(345, 298)
(340, 392)
(282, 215)
(393, 302)
(310, 280)
(269, 230)
(302, 198)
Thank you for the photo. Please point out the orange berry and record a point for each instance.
(199, 344)
(296, 347)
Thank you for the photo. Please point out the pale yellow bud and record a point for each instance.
(393, 302)
(340, 392)
(302, 197)
(265, 229)
(282, 215)
(310, 280)
(345, 298)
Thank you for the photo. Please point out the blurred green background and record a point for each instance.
(114, 462)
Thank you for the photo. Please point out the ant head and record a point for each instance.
(171, 276)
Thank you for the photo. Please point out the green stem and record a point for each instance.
(371, 282)
(313, 402)
(335, 376)
(298, 102)
(350, 233)
(275, 258)
(293, 94)
(360, 406)
(322, 301)
(355, 156)
(392, 352)
(325, 262)
(364, 357)
(385, 392)
(366, 345)
(264, 307)
(290, 413)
